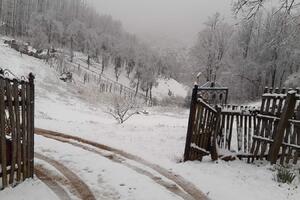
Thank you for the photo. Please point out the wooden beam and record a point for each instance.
(190, 124)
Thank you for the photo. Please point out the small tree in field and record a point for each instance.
(123, 108)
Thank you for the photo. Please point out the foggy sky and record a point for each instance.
(163, 20)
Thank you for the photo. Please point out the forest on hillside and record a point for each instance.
(261, 49)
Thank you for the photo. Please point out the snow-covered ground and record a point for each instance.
(158, 137)
(30, 189)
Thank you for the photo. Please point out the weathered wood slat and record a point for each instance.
(13, 131)
(29, 130)
(2, 134)
(18, 132)
(24, 132)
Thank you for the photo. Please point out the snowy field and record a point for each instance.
(158, 137)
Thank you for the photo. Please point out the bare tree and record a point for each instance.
(210, 49)
(252, 7)
(123, 108)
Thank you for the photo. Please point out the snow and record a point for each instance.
(25, 190)
(109, 180)
(158, 137)
(164, 85)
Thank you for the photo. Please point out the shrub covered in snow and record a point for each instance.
(122, 108)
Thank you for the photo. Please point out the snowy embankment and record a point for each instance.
(158, 137)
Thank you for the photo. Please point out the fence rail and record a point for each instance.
(16, 129)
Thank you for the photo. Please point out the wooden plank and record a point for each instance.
(214, 152)
(28, 118)
(250, 131)
(288, 111)
(32, 95)
(245, 134)
(230, 131)
(222, 130)
(195, 132)
(199, 125)
(227, 131)
(18, 134)
(24, 130)
(13, 131)
(267, 133)
(284, 148)
(204, 125)
(190, 124)
(2, 134)
(238, 132)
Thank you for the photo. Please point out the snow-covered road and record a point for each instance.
(107, 178)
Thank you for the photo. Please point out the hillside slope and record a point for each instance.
(164, 88)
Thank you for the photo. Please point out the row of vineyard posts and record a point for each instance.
(270, 132)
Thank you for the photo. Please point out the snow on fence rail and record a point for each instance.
(16, 128)
(271, 132)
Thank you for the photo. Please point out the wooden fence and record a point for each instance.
(271, 132)
(16, 129)
(277, 128)
(236, 128)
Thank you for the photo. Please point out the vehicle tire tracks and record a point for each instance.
(182, 187)
(82, 190)
(43, 174)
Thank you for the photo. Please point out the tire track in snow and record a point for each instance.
(43, 174)
(182, 188)
(82, 189)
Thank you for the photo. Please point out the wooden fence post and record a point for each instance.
(190, 124)
(287, 114)
(2, 135)
(31, 85)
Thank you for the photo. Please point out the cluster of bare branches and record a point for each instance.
(123, 108)
(252, 7)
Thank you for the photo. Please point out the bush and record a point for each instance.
(122, 108)
(284, 175)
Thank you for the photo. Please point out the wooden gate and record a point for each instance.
(202, 129)
(16, 128)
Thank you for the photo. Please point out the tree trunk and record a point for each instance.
(137, 87)
(71, 49)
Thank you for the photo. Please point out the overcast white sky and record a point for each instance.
(163, 20)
